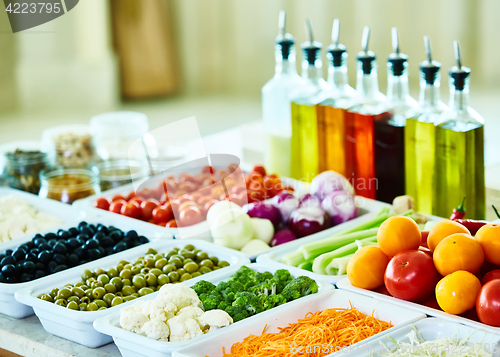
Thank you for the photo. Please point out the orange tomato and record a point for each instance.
(442, 230)
(457, 293)
(367, 267)
(488, 237)
(458, 252)
(397, 234)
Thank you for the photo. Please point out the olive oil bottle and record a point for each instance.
(420, 137)
(460, 150)
(304, 142)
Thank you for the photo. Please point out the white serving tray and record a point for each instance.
(430, 329)
(77, 326)
(135, 345)
(296, 310)
(345, 284)
(64, 212)
(8, 304)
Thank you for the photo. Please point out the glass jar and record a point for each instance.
(71, 146)
(69, 185)
(117, 173)
(20, 165)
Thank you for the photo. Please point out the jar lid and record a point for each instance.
(27, 146)
(121, 124)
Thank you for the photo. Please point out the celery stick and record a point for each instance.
(338, 266)
(321, 262)
(306, 266)
(371, 223)
(293, 259)
(314, 249)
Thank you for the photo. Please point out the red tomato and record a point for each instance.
(187, 186)
(488, 303)
(102, 203)
(273, 186)
(184, 198)
(119, 197)
(147, 208)
(209, 204)
(260, 169)
(136, 199)
(131, 195)
(187, 204)
(162, 224)
(423, 243)
(171, 224)
(256, 195)
(187, 178)
(232, 167)
(190, 215)
(131, 209)
(411, 276)
(160, 214)
(254, 177)
(116, 206)
(492, 275)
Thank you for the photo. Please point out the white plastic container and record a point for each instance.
(135, 345)
(77, 325)
(11, 307)
(431, 329)
(294, 311)
(345, 284)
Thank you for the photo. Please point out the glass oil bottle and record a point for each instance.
(304, 143)
(331, 121)
(420, 137)
(369, 105)
(276, 103)
(460, 150)
(390, 131)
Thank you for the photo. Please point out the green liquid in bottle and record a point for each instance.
(304, 143)
(460, 170)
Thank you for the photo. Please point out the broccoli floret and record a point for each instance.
(229, 289)
(211, 300)
(249, 301)
(298, 287)
(203, 287)
(245, 276)
(267, 287)
(262, 277)
(283, 275)
(223, 305)
(237, 312)
(272, 301)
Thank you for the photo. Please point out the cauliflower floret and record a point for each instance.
(132, 319)
(178, 294)
(156, 330)
(162, 310)
(191, 311)
(183, 328)
(214, 319)
(146, 307)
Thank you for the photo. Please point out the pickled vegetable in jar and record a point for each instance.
(117, 173)
(69, 185)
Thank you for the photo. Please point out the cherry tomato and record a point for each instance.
(239, 199)
(260, 169)
(209, 204)
(411, 276)
(189, 216)
(207, 169)
(131, 209)
(171, 224)
(273, 186)
(172, 206)
(255, 186)
(492, 275)
(131, 195)
(187, 178)
(184, 198)
(118, 197)
(116, 206)
(232, 167)
(238, 189)
(216, 191)
(161, 214)
(162, 224)
(187, 204)
(488, 303)
(256, 195)
(102, 203)
(147, 208)
(136, 199)
(254, 177)
(187, 186)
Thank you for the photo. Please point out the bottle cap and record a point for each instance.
(429, 68)
(284, 40)
(336, 50)
(366, 57)
(311, 48)
(397, 59)
(459, 73)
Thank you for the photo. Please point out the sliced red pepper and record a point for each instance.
(472, 225)
(459, 212)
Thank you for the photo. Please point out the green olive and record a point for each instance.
(175, 249)
(92, 307)
(204, 270)
(216, 268)
(214, 260)
(117, 282)
(188, 260)
(117, 301)
(191, 267)
(160, 263)
(223, 264)
(128, 266)
(201, 256)
(145, 271)
(168, 268)
(69, 286)
(108, 298)
(157, 257)
(151, 251)
(207, 263)
(102, 308)
(151, 280)
(195, 274)
(125, 274)
(110, 288)
(145, 291)
(128, 290)
(88, 293)
(176, 261)
(98, 293)
(135, 295)
(128, 298)
(90, 280)
(46, 297)
(169, 254)
(77, 291)
(85, 300)
(53, 292)
(136, 269)
(96, 284)
(72, 305)
(99, 271)
(119, 293)
(186, 276)
(119, 268)
(61, 302)
(87, 274)
(173, 276)
(187, 254)
(181, 271)
(163, 279)
(138, 282)
(155, 271)
(79, 284)
(158, 288)
(64, 293)
(189, 247)
(196, 251)
(82, 306)
(100, 303)
(84, 287)
(123, 262)
(112, 272)
(149, 263)
(103, 278)
(74, 298)
(126, 282)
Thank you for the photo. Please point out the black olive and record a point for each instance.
(50, 236)
(39, 241)
(59, 258)
(31, 257)
(8, 270)
(143, 240)
(86, 230)
(82, 224)
(109, 250)
(44, 246)
(3, 279)
(30, 245)
(73, 232)
(116, 236)
(8, 260)
(8, 252)
(19, 254)
(52, 242)
(40, 266)
(98, 236)
(60, 268)
(23, 247)
(107, 242)
(29, 267)
(102, 228)
(93, 227)
(92, 244)
(83, 237)
(73, 260)
(72, 243)
(60, 248)
(37, 236)
(120, 247)
(2, 256)
(83, 261)
(132, 235)
(27, 277)
(51, 266)
(45, 256)
(35, 251)
(79, 252)
(136, 244)
(40, 274)
(102, 250)
(93, 254)
(12, 279)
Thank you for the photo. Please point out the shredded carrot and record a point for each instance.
(317, 334)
